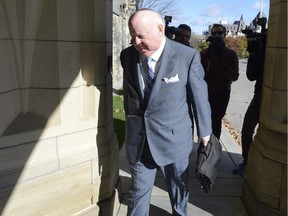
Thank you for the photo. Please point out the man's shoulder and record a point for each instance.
(176, 47)
(128, 50)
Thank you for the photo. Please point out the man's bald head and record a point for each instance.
(147, 29)
(147, 15)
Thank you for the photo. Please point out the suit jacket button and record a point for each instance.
(146, 115)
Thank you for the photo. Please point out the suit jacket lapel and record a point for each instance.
(139, 80)
(166, 64)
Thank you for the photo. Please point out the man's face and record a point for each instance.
(183, 37)
(146, 35)
(218, 33)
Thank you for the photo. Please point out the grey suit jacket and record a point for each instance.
(167, 123)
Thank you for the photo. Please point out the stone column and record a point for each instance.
(58, 149)
(265, 188)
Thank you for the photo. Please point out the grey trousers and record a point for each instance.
(143, 177)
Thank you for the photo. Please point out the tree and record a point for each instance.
(238, 44)
(164, 7)
(196, 40)
(202, 44)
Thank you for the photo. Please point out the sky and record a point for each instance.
(199, 14)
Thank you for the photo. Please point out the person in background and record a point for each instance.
(163, 82)
(221, 69)
(254, 72)
(183, 34)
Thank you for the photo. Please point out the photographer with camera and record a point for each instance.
(221, 69)
(254, 72)
(181, 34)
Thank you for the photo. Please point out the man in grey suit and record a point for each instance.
(159, 122)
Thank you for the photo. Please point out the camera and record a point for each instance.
(170, 30)
(256, 42)
(256, 45)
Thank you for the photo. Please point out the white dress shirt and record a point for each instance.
(155, 57)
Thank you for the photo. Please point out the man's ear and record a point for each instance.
(161, 28)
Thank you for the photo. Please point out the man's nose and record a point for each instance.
(137, 40)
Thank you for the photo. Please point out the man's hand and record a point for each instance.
(205, 140)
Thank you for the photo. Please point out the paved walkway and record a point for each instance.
(224, 200)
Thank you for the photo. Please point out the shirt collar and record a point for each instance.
(156, 55)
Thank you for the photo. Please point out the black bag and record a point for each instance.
(207, 163)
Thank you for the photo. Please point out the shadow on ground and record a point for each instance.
(224, 198)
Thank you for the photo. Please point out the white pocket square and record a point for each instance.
(172, 79)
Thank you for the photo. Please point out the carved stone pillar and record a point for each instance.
(58, 149)
(265, 188)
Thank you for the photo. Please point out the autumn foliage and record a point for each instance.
(238, 44)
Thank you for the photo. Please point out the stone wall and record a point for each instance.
(58, 149)
(122, 9)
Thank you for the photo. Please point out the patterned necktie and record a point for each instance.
(149, 80)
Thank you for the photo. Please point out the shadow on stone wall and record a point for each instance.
(41, 74)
